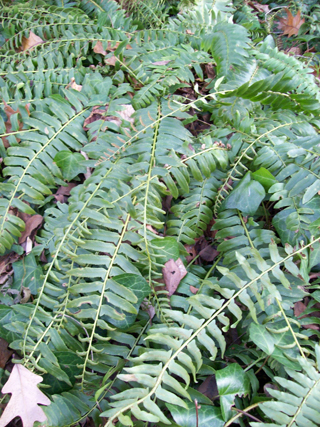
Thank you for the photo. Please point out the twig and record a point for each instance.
(197, 413)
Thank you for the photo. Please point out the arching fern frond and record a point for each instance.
(297, 403)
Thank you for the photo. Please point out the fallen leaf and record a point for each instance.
(111, 61)
(191, 251)
(30, 42)
(33, 223)
(149, 308)
(290, 24)
(26, 397)
(209, 253)
(299, 308)
(210, 71)
(193, 289)
(295, 50)
(173, 272)
(63, 193)
(9, 112)
(161, 62)
(74, 85)
(99, 113)
(209, 387)
(126, 113)
(25, 294)
(5, 353)
(98, 48)
(259, 7)
(150, 228)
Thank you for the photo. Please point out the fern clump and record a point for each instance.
(144, 133)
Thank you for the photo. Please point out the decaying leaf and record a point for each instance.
(74, 85)
(209, 387)
(63, 193)
(111, 61)
(101, 113)
(26, 397)
(9, 112)
(5, 353)
(290, 24)
(173, 272)
(98, 48)
(33, 223)
(259, 7)
(31, 41)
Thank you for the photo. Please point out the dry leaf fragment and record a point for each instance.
(30, 42)
(209, 387)
(161, 62)
(74, 85)
(173, 272)
(5, 353)
(111, 61)
(26, 397)
(33, 223)
(98, 48)
(290, 24)
(9, 112)
(193, 289)
(259, 7)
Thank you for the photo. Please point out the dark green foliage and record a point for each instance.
(145, 185)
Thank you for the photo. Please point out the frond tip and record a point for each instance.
(298, 404)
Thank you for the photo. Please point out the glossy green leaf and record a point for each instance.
(71, 164)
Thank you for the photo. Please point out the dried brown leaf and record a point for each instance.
(5, 353)
(26, 397)
(33, 223)
(259, 7)
(74, 85)
(208, 254)
(173, 272)
(111, 61)
(9, 112)
(99, 49)
(30, 42)
(290, 24)
(209, 387)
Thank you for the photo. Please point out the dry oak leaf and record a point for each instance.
(173, 272)
(290, 24)
(30, 42)
(25, 398)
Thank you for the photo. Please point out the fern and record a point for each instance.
(297, 404)
(247, 181)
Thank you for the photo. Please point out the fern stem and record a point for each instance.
(249, 408)
(291, 330)
(202, 327)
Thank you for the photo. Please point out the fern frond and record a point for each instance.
(297, 403)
